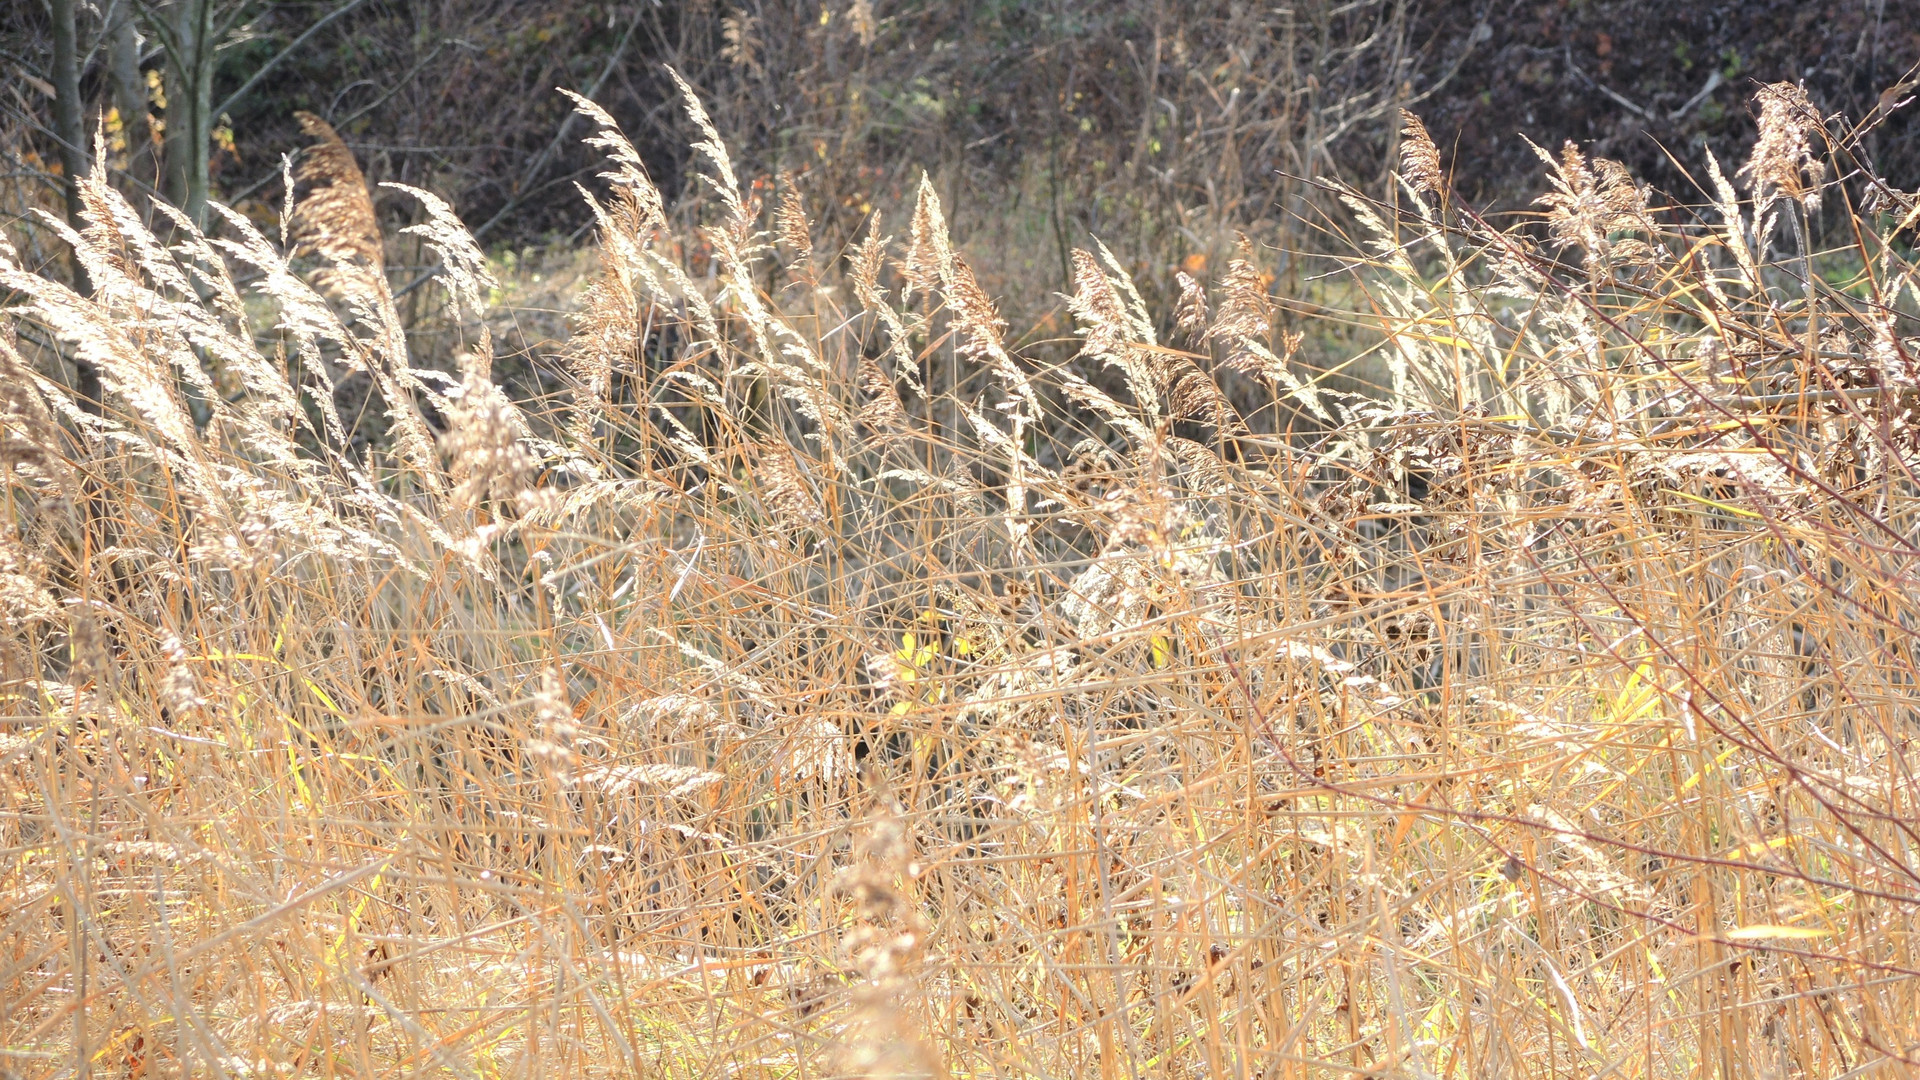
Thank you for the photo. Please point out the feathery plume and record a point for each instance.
(29, 437)
(630, 173)
(1097, 304)
(866, 259)
(722, 182)
(333, 214)
(977, 316)
(463, 266)
(1419, 158)
(333, 220)
(883, 412)
(1206, 473)
(1111, 333)
(1190, 315)
(791, 226)
(929, 260)
(784, 490)
(1194, 395)
(131, 368)
(1246, 312)
(1592, 202)
(1784, 164)
(1244, 323)
(1727, 202)
(487, 444)
(557, 730)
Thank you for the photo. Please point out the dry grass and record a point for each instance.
(829, 688)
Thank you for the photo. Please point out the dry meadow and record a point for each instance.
(826, 684)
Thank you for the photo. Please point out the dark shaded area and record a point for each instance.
(1636, 79)
(1121, 117)
(1160, 126)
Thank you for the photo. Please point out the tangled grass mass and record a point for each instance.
(827, 686)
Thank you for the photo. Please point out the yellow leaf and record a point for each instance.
(1162, 649)
(1734, 510)
(1763, 931)
(1761, 847)
(1705, 770)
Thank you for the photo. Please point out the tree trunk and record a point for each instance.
(130, 89)
(189, 105)
(69, 128)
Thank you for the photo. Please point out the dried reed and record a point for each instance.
(844, 692)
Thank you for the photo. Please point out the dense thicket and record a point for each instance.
(1159, 126)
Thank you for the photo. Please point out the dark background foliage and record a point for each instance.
(1160, 126)
(1624, 78)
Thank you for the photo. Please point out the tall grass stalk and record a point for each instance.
(831, 688)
